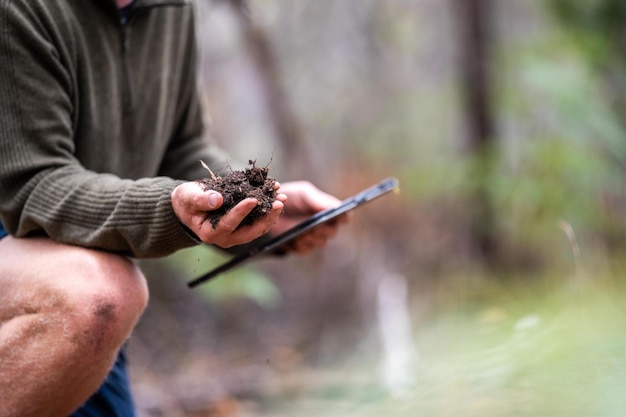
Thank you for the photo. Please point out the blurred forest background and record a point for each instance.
(490, 286)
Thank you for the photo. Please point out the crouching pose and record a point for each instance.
(100, 137)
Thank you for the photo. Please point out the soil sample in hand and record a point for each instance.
(239, 185)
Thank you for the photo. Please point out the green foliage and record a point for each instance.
(551, 180)
(561, 148)
(597, 25)
(560, 100)
(245, 282)
(596, 30)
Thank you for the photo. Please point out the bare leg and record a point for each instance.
(64, 313)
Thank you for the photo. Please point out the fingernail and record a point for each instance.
(213, 199)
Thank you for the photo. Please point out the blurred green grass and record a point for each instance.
(539, 347)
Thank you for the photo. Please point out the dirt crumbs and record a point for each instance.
(239, 185)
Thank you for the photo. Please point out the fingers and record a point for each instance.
(281, 197)
(315, 239)
(231, 220)
(229, 232)
(191, 205)
(306, 199)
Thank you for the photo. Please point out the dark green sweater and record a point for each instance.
(99, 121)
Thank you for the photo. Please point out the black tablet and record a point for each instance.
(369, 194)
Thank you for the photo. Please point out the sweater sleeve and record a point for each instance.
(44, 189)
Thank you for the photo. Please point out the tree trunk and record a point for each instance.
(474, 25)
(294, 148)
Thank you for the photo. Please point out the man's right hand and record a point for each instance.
(191, 204)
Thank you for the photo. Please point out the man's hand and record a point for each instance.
(304, 200)
(191, 204)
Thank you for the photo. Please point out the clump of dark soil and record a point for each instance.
(238, 185)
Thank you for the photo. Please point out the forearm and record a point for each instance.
(75, 206)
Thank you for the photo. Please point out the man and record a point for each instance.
(100, 137)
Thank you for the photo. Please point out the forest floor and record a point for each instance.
(542, 347)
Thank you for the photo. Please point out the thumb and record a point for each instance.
(214, 200)
(190, 197)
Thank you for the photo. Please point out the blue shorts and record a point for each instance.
(113, 398)
(3, 232)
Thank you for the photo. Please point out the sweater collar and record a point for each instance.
(155, 3)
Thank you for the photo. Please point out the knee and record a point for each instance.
(104, 297)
